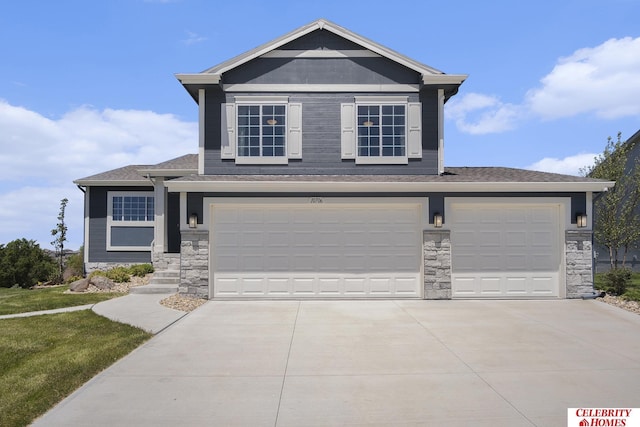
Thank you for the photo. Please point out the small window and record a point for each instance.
(381, 130)
(132, 208)
(130, 220)
(262, 130)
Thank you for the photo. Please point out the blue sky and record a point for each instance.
(89, 86)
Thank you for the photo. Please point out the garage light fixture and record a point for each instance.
(581, 220)
(193, 220)
(437, 220)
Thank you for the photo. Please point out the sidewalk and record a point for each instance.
(141, 310)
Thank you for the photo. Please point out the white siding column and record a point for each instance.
(440, 131)
(201, 118)
(159, 229)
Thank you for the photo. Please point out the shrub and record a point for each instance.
(24, 264)
(117, 274)
(141, 270)
(617, 280)
(632, 295)
(75, 263)
(72, 279)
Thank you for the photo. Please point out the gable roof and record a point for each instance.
(429, 74)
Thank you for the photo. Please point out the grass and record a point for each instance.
(14, 301)
(633, 289)
(45, 358)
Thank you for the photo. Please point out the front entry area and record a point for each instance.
(315, 249)
(505, 250)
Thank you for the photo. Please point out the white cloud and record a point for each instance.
(570, 165)
(40, 158)
(602, 80)
(193, 38)
(478, 114)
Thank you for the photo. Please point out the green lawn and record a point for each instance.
(45, 358)
(23, 300)
(633, 290)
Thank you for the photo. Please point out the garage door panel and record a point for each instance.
(506, 251)
(324, 251)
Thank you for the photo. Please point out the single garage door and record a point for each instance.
(316, 251)
(504, 250)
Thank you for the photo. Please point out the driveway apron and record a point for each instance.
(374, 363)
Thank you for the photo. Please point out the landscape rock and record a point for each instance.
(79, 285)
(101, 282)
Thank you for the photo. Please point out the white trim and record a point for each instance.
(208, 201)
(325, 53)
(199, 78)
(261, 160)
(440, 131)
(160, 207)
(364, 187)
(589, 201)
(183, 212)
(382, 160)
(381, 99)
(111, 223)
(443, 79)
(115, 183)
(201, 128)
(258, 99)
(299, 87)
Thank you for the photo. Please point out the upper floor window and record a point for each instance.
(261, 130)
(381, 130)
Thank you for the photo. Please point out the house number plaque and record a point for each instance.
(315, 200)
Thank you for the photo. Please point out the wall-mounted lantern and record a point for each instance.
(581, 220)
(193, 220)
(437, 220)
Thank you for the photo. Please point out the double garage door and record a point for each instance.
(316, 250)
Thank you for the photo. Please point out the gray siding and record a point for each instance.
(97, 246)
(322, 71)
(131, 236)
(321, 150)
(321, 40)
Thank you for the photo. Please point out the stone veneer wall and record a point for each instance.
(194, 263)
(436, 249)
(579, 262)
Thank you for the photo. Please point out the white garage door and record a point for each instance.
(316, 250)
(504, 250)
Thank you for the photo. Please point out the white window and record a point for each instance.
(130, 220)
(383, 130)
(262, 130)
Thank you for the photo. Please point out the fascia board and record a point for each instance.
(115, 183)
(199, 78)
(443, 79)
(371, 187)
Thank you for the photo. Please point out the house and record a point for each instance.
(320, 174)
(601, 253)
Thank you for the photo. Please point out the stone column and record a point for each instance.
(436, 248)
(194, 263)
(579, 262)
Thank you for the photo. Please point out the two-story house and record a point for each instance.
(320, 174)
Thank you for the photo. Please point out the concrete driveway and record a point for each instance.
(383, 363)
